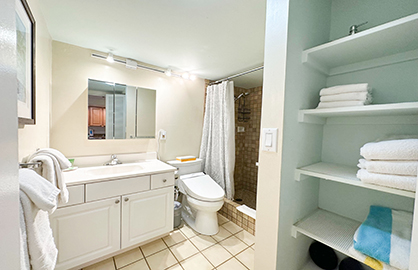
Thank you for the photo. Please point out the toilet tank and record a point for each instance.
(187, 167)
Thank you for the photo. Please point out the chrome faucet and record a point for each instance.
(113, 161)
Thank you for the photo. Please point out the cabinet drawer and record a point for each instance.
(162, 180)
(108, 189)
(76, 196)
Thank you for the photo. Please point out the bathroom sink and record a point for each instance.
(116, 169)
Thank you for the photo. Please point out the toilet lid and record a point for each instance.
(203, 188)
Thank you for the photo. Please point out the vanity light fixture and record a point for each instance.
(186, 75)
(168, 72)
(110, 58)
(129, 63)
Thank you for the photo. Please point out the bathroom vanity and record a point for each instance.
(112, 209)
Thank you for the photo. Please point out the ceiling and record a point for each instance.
(212, 39)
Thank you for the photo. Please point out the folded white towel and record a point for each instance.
(347, 88)
(36, 200)
(406, 149)
(63, 161)
(362, 96)
(335, 104)
(394, 181)
(39, 190)
(398, 167)
(53, 162)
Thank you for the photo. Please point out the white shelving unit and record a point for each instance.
(319, 116)
(328, 228)
(392, 42)
(343, 174)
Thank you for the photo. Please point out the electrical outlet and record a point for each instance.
(163, 135)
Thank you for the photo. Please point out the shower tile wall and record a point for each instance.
(247, 142)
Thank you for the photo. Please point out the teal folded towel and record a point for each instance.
(386, 236)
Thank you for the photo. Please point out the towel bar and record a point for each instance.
(35, 164)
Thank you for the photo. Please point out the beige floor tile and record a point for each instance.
(217, 254)
(139, 265)
(174, 238)
(222, 219)
(232, 227)
(246, 237)
(198, 261)
(233, 245)
(175, 267)
(184, 250)
(128, 257)
(232, 264)
(161, 260)
(222, 234)
(103, 265)
(247, 258)
(188, 232)
(153, 247)
(202, 241)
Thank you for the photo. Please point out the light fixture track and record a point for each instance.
(138, 65)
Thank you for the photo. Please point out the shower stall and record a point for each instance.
(247, 136)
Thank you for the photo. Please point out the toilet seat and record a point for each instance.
(203, 188)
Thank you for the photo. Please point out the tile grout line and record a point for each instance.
(143, 254)
(178, 262)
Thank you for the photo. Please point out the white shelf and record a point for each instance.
(328, 228)
(344, 174)
(318, 116)
(388, 43)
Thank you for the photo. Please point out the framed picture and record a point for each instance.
(25, 63)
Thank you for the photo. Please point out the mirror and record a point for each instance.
(119, 111)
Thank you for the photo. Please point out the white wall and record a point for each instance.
(37, 136)
(269, 170)
(9, 186)
(179, 106)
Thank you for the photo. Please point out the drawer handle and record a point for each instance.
(117, 201)
(126, 199)
(164, 180)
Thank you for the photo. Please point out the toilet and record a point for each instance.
(202, 196)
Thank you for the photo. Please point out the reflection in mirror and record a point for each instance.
(118, 111)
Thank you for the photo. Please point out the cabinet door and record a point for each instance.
(86, 232)
(146, 215)
(96, 116)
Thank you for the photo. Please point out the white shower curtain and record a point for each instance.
(218, 137)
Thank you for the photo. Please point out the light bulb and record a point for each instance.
(186, 75)
(193, 77)
(110, 58)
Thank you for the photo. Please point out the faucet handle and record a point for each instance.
(113, 156)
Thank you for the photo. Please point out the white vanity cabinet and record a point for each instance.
(87, 231)
(115, 215)
(146, 215)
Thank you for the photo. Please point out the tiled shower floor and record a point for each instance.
(248, 197)
(184, 249)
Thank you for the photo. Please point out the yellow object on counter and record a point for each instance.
(186, 158)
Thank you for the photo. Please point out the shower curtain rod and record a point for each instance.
(237, 75)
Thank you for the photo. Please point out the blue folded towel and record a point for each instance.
(386, 236)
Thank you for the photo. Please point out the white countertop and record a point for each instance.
(102, 173)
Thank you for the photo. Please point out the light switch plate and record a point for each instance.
(269, 140)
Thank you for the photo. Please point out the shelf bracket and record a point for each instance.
(299, 176)
(310, 119)
(295, 233)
